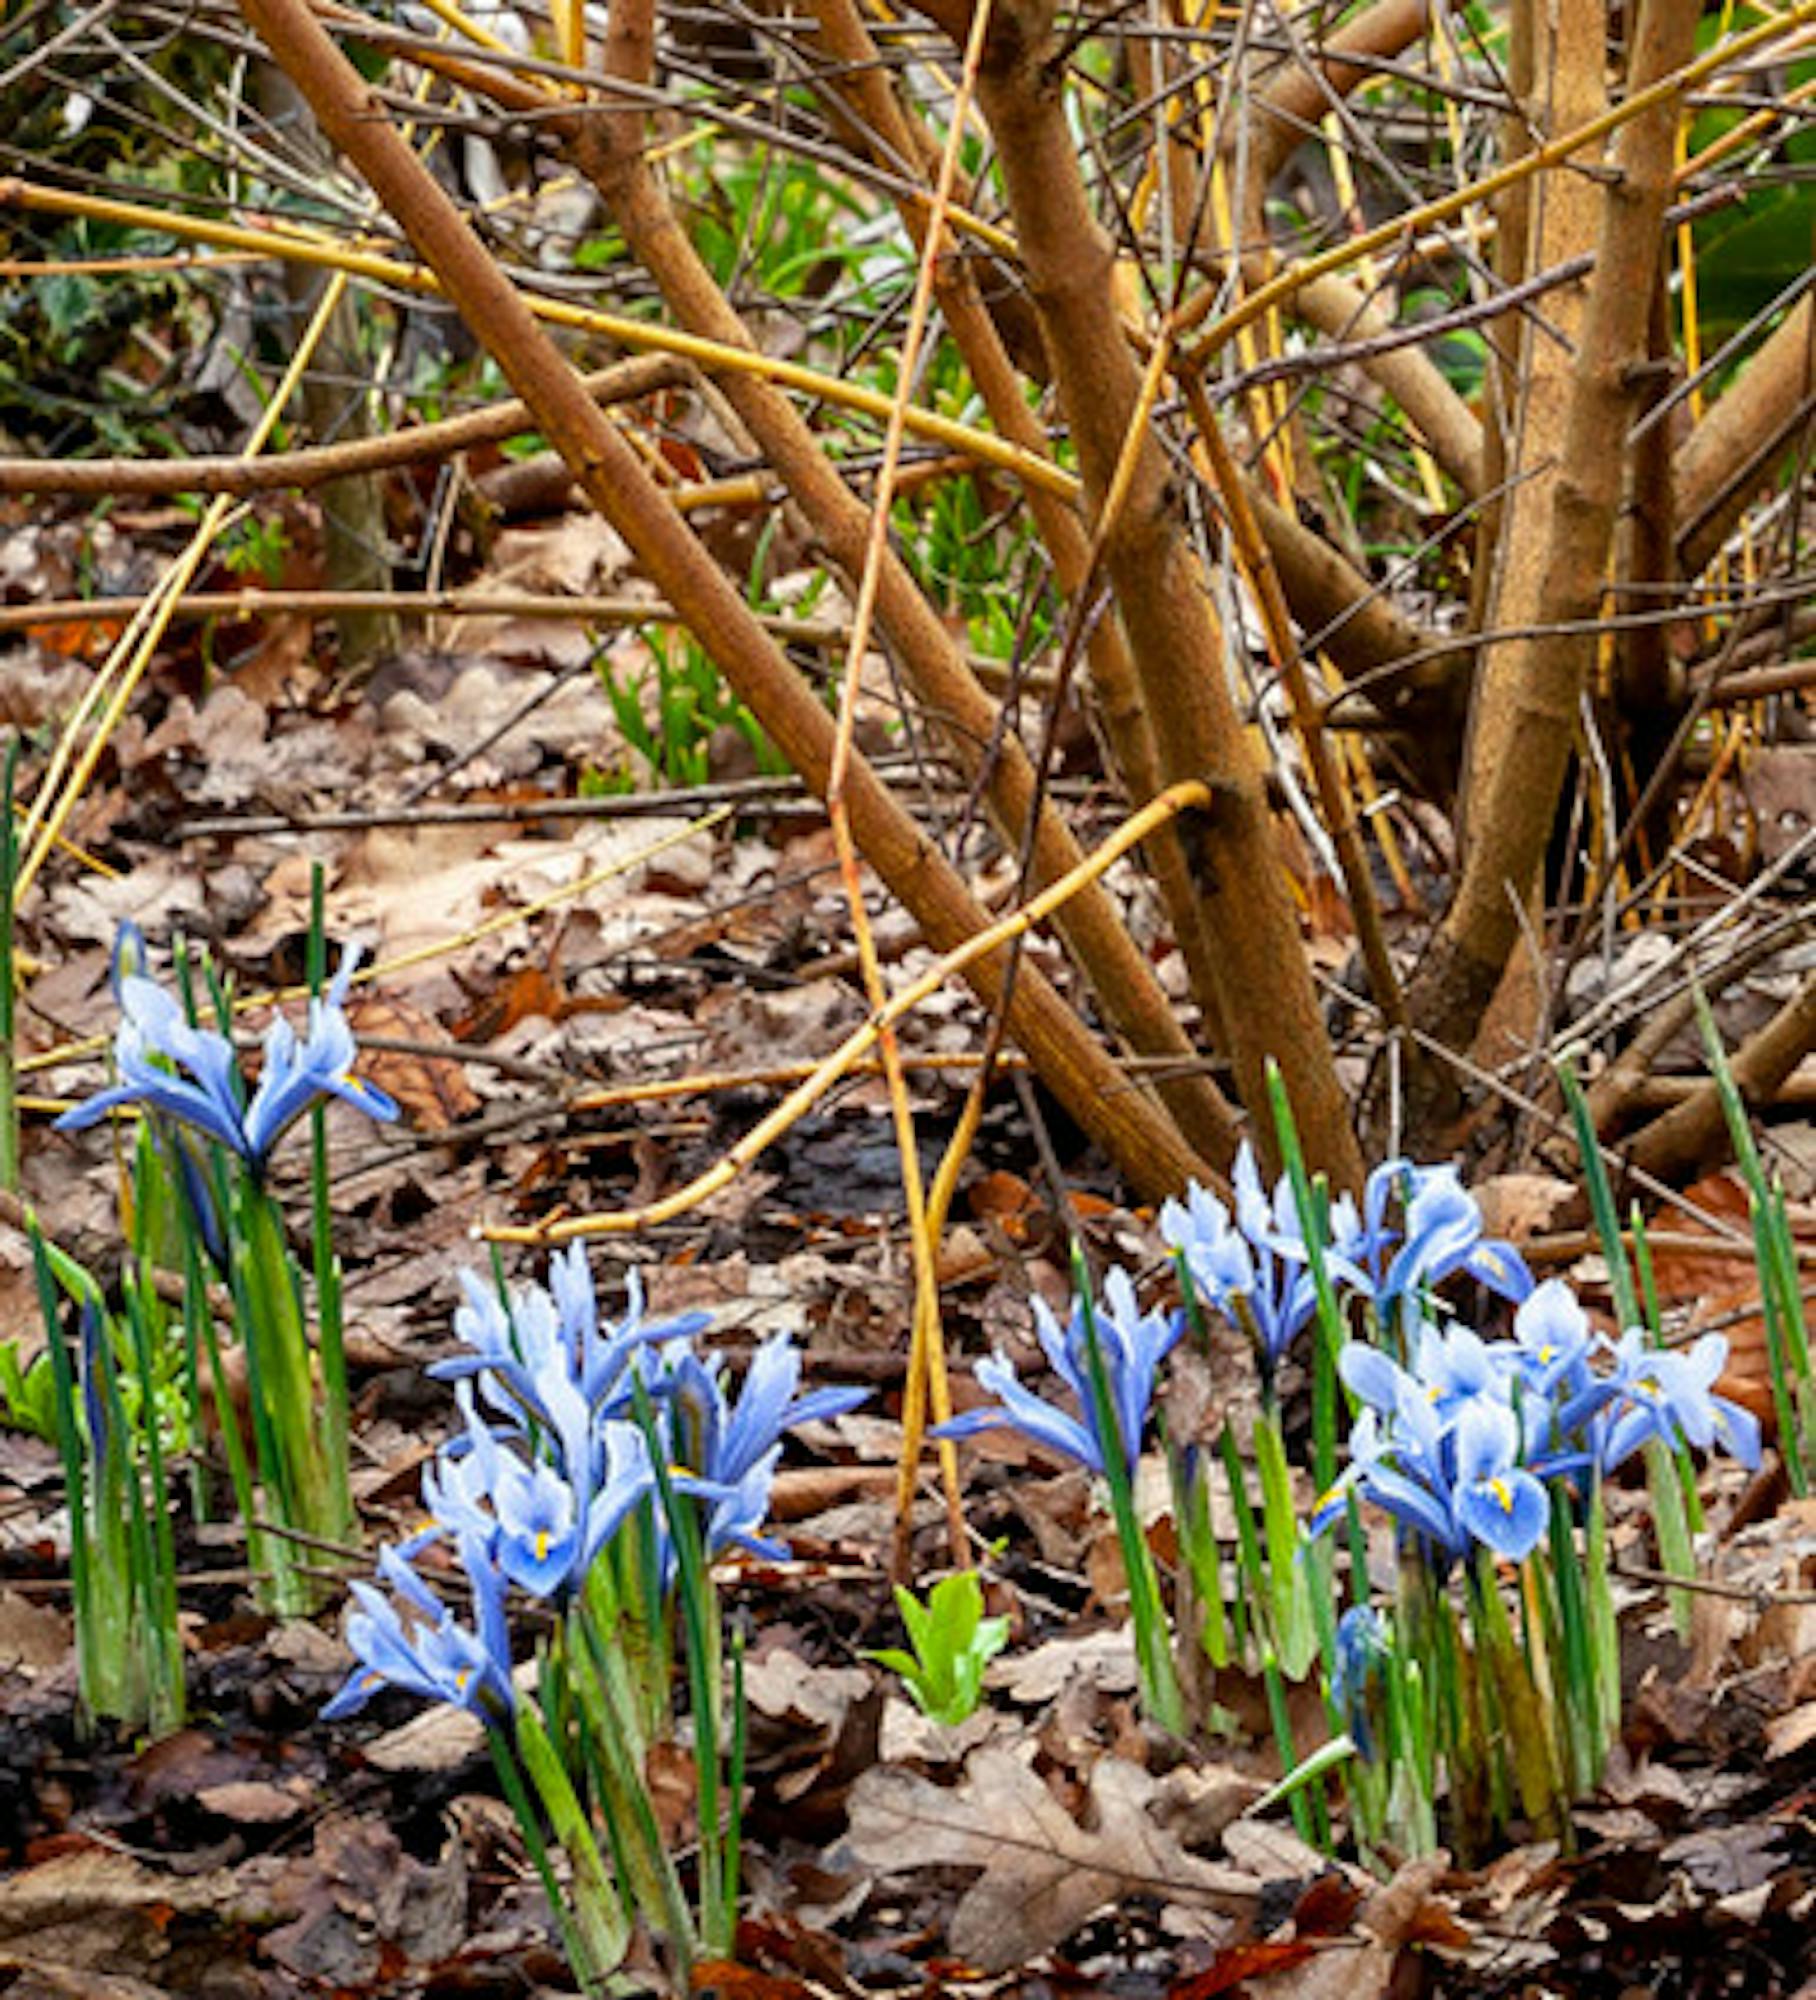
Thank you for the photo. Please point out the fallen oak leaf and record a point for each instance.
(89, 1911)
(1044, 1872)
(431, 1089)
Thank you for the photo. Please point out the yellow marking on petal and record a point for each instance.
(1547, 1351)
(1495, 1262)
(542, 1545)
(1498, 1487)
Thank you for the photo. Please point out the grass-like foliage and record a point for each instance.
(201, 1206)
(601, 1468)
(1483, 1686)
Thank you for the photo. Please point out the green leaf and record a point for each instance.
(953, 1643)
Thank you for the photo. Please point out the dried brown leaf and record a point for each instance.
(432, 1091)
(1044, 1872)
(32, 1635)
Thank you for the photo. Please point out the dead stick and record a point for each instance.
(624, 382)
(1689, 1134)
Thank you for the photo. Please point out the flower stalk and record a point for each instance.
(1153, 1636)
(200, 1197)
(601, 1470)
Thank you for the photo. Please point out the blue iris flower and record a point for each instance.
(1552, 1342)
(1362, 1653)
(528, 1341)
(1445, 1234)
(1254, 1271)
(1441, 1449)
(542, 1513)
(429, 1652)
(548, 1532)
(1218, 1259)
(1133, 1345)
(542, 1475)
(297, 1073)
(169, 1068)
(727, 1450)
(736, 1513)
(1361, 1241)
(602, 1360)
(1495, 1500)
(1670, 1394)
(1254, 1267)
(153, 1047)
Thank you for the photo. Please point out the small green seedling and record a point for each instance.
(953, 1643)
(28, 1393)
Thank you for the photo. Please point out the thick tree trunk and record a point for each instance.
(1264, 988)
(609, 151)
(1574, 408)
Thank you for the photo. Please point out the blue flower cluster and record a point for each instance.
(174, 1071)
(550, 1464)
(1459, 1446)
(1132, 1343)
(1253, 1267)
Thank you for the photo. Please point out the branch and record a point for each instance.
(1263, 993)
(608, 151)
(1733, 452)
(1079, 1070)
(1693, 1133)
(623, 382)
(1525, 724)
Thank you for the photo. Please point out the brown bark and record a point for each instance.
(608, 150)
(1118, 707)
(1733, 452)
(1323, 586)
(1344, 598)
(1283, 649)
(1692, 1135)
(1286, 114)
(1359, 625)
(1294, 101)
(1132, 1129)
(1264, 988)
(1446, 425)
(1530, 689)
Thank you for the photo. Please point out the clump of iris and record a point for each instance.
(550, 1463)
(1460, 1444)
(171, 1069)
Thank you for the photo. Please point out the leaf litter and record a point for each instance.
(1048, 1844)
